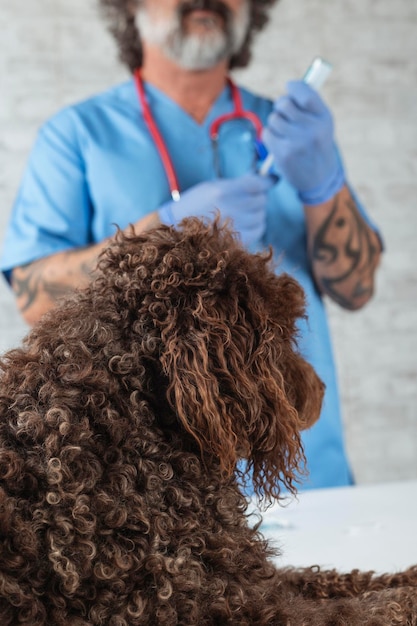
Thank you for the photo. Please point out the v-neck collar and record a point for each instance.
(157, 97)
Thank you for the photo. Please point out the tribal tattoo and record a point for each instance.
(30, 281)
(345, 254)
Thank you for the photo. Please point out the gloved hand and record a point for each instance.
(299, 135)
(242, 199)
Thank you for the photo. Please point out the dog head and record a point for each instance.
(220, 329)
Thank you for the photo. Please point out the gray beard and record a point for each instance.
(190, 51)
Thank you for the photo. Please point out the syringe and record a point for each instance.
(315, 76)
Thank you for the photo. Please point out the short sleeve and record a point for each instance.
(52, 211)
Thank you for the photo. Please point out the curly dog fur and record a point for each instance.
(123, 416)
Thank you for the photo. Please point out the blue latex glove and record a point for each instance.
(243, 200)
(300, 136)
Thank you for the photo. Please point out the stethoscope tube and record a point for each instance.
(158, 139)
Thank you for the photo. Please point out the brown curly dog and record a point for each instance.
(123, 417)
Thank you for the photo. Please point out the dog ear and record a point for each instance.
(239, 403)
(195, 394)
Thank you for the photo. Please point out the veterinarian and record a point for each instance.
(160, 147)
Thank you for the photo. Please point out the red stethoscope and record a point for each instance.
(238, 113)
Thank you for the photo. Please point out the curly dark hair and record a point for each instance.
(123, 416)
(122, 27)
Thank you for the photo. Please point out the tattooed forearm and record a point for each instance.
(38, 285)
(28, 284)
(345, 253)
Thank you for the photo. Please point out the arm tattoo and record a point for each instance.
(345, 241)
(29, 283)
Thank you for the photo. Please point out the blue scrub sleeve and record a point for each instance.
(52, 211)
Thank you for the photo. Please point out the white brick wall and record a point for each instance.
(55, 52)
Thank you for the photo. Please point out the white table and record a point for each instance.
(370, 527)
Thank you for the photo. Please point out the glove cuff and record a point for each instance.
(166, 215)
(326, 190)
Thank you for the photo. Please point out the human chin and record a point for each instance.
(194, 52)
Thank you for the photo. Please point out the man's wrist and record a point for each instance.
(166, 214)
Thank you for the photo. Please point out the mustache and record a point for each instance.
(216, 6)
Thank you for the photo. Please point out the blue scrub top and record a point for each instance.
(94, 166)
